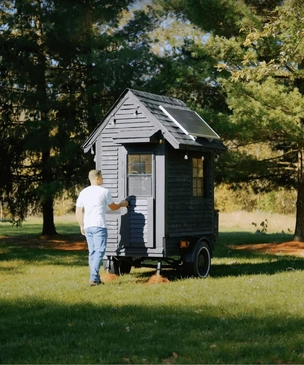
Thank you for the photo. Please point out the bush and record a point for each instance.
(276, 201)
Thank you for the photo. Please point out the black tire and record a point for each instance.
(201, 264)
(125, 266)
(118, 266)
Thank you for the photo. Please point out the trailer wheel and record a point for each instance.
(201, 263)
(118, 266)
(124, 266)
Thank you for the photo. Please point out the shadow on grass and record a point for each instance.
(282, 264)
(46, 332)
(261, 263)
(257, 263)
(43, 255)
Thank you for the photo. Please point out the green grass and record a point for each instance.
(33, 226)
(250, 309)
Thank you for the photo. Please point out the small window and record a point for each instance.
(197, 176)
(140, 174)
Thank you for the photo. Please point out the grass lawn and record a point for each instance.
(249, 310)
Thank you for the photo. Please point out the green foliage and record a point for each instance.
(62, 66)
(222, 17)
(258, 49)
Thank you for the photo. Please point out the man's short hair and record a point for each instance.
(94, 173)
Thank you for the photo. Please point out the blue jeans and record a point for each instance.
(97, 241)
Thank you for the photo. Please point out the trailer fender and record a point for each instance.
(189, 253)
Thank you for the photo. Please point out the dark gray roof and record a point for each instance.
(172, 133)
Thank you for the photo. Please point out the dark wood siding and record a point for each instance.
(128, 118)
(109, 162)
(187, 215)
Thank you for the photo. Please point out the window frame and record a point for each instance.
(198, 190)
(140, 174)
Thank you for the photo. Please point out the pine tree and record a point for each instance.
(62, 65)
(256, 48)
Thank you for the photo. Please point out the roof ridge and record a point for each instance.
(158, 98)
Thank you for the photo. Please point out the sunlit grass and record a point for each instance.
(33, 226)
(249, 310)
(251, 222)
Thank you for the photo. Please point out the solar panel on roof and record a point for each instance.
(190, 122)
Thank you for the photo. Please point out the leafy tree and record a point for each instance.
(258, 48)
(62, 65)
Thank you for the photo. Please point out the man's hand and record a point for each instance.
(124, 203)
(79, 217)
(115, 206)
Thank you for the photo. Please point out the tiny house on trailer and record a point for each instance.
(159, 154)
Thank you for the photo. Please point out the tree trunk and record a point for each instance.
(47, 200)
(48, 227)
(299, 229)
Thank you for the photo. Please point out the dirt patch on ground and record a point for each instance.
(292, 248)
(78, 242)
(157, 279)
(58, 242)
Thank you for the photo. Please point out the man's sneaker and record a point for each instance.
(95, 283)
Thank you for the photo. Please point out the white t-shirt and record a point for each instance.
(94, 200)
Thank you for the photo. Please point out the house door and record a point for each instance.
(140, 192)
